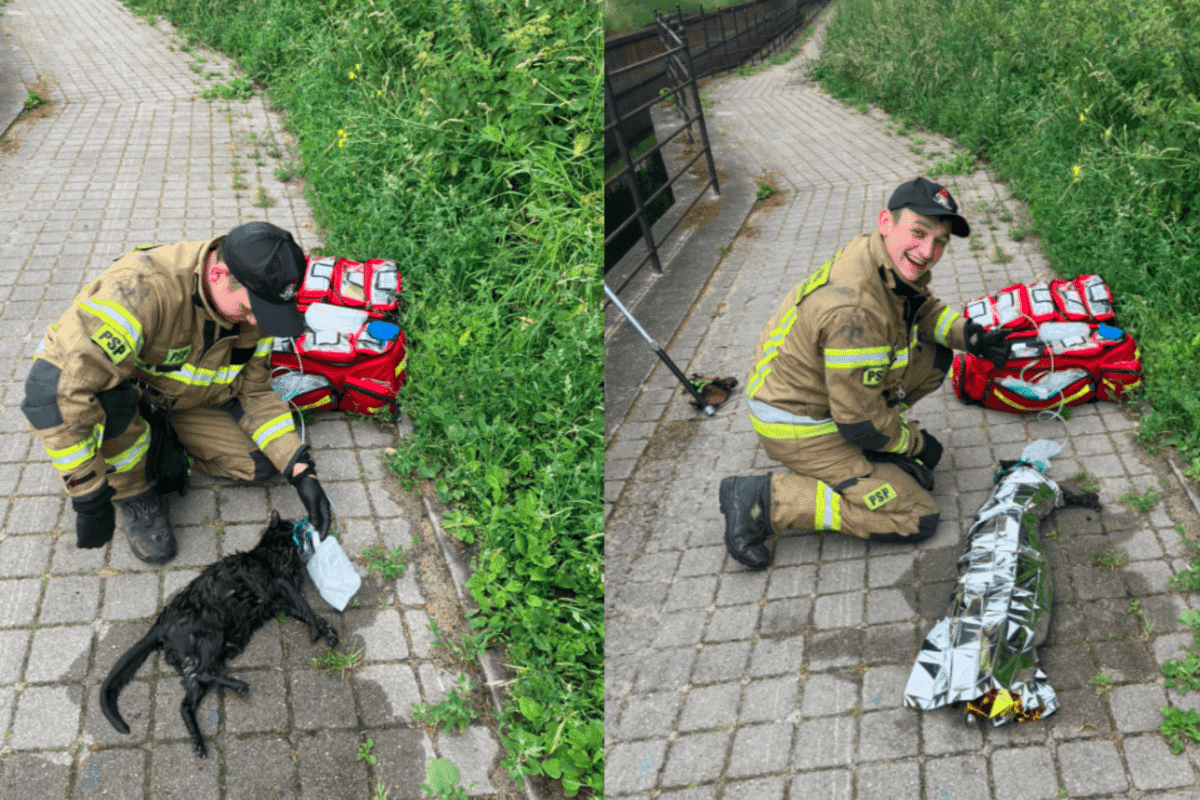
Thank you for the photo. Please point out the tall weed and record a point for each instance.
(1090, 109)
(459, 138)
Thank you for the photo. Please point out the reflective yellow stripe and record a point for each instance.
(68, 458)
(123, 462)
(828, 516)
(902, 445)
(128, 326)
(856, 357)
(403, 363)
(326, 400)
(900, 360)
(264, 346)
(943, 324)
(270, 431)
(199, 376)
(783, 430)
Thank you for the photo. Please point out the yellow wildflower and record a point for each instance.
(1075, 170)
(352, 75)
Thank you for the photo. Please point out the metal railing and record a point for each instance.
(676, 62)
(717, 40)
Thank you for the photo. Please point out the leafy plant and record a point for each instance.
(472, 645)
(1086, 481)
(1178, 724)
(1189, 578)
(453, 712)
(764, 191)
(284, 172)
(1110, 560)
(364, 752)
(1140, 502)
(33, 100)
(262, 199)
(441, 780)
(236, 88)
(340, 661)
(1102, 682)
(390, 565)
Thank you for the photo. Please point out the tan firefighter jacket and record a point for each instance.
(832, 358)
(147, 318)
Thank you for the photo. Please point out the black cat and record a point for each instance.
(213, 618)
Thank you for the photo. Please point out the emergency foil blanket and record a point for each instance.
(982, 653)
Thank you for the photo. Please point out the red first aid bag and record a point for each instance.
(1066, 348)
(353, 356)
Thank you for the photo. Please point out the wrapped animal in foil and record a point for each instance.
(983, 652)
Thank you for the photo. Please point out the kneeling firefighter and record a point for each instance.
(849, 350)
(178, 335)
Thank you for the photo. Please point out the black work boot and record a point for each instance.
(746, 504)
(147, 527)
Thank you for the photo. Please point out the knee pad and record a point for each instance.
(40, 405)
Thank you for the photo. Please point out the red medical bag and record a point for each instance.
(358, 364)
(1050, 365)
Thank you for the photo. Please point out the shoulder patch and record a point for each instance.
(112, 343)
(880, 497)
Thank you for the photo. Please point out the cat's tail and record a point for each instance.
(123, 672)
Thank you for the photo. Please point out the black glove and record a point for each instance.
(95, 518)
(992, 345)
(315, 502)
(922, 474)
(931, 450)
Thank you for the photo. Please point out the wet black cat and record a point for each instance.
(213, 619)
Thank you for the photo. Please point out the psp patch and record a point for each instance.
(873, 375)
(112, 343)
(177, 355)
(880, 496)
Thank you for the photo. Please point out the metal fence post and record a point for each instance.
(707, 46)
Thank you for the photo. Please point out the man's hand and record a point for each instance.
(95, 518)
(992, 345)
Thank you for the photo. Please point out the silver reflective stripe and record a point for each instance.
(769, 413)
(827, 522)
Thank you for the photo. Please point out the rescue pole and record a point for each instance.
(708, 409)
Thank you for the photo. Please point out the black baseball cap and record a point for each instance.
(931, 200)
(268, 262)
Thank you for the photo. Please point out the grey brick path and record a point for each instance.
(129, 155)
(722, 683)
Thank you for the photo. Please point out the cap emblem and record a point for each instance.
(942, 198)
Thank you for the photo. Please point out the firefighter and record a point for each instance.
(184, 329)
(850, 349)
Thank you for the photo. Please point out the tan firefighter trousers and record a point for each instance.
(212, 438)
(833, 487)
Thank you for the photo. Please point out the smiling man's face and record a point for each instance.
(913, 241)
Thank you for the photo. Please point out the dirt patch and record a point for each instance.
(773, 196)
(11, 140)
(704, 212)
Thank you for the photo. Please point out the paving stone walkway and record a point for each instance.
(127, 154)
(787, 683)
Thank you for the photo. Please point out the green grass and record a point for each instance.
(453, 712)
(340, 661)
(1087, 109)
(470, 155)
(1140, 502)
(390, 565)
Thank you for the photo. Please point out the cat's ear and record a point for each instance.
(274, 519)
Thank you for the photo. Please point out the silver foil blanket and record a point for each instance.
(983, 652)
